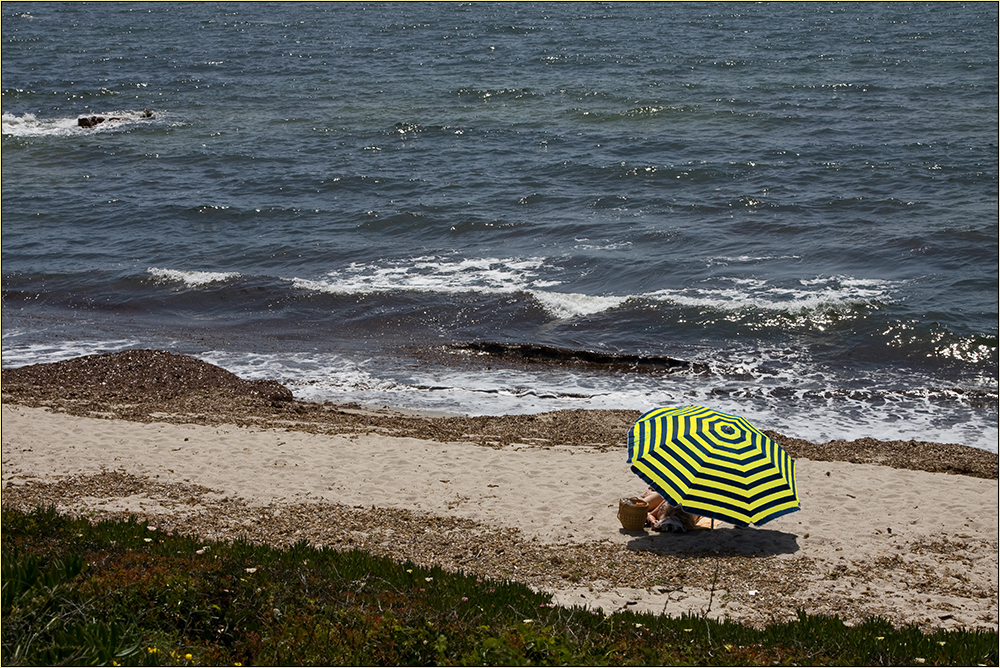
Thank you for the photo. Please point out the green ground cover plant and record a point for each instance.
(77, 592)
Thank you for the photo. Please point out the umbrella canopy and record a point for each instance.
(713, 464)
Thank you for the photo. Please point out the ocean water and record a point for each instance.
(798, 199)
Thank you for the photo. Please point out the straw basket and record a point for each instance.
(632, 514)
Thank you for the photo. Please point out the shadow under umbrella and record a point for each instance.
(724, 542)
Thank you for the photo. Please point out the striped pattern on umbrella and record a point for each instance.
(713, 464)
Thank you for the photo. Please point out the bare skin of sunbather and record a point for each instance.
(664, 517)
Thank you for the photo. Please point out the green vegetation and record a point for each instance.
(124, 593)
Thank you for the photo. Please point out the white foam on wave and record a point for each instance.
(320, 377)
(461, 275)
(193, 279)
(732, 294)
(574, 304)
(499, 392)
(29, 125)
(585, 244)
(795, 400)
(16, 355)
(727, 260)
(431, 274)
(448, 275)
(300, 368)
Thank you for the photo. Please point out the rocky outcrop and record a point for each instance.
(134, 375)
(94, 121)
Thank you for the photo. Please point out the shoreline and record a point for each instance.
(501, 497)
(153, 385)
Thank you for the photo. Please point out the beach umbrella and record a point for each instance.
(713, 464)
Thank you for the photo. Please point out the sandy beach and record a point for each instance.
(896, 532)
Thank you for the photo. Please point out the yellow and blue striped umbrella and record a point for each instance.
(713, 464)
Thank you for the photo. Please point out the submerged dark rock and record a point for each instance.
(94, 121)
(90, 121)
(529, 352)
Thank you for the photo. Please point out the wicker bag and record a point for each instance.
(632, 513)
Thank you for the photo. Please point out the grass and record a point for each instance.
(124, 593)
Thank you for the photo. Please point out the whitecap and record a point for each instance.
(574, 304)
(465, 275)
(192, 279)
(431, 274)
(733, 294)
(29, 125)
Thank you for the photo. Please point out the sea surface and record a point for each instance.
(786, 211)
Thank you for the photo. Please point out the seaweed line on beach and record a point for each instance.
(159, 386)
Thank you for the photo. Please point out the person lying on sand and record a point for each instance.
(664, 517)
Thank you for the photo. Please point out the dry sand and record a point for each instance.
(913, 546)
